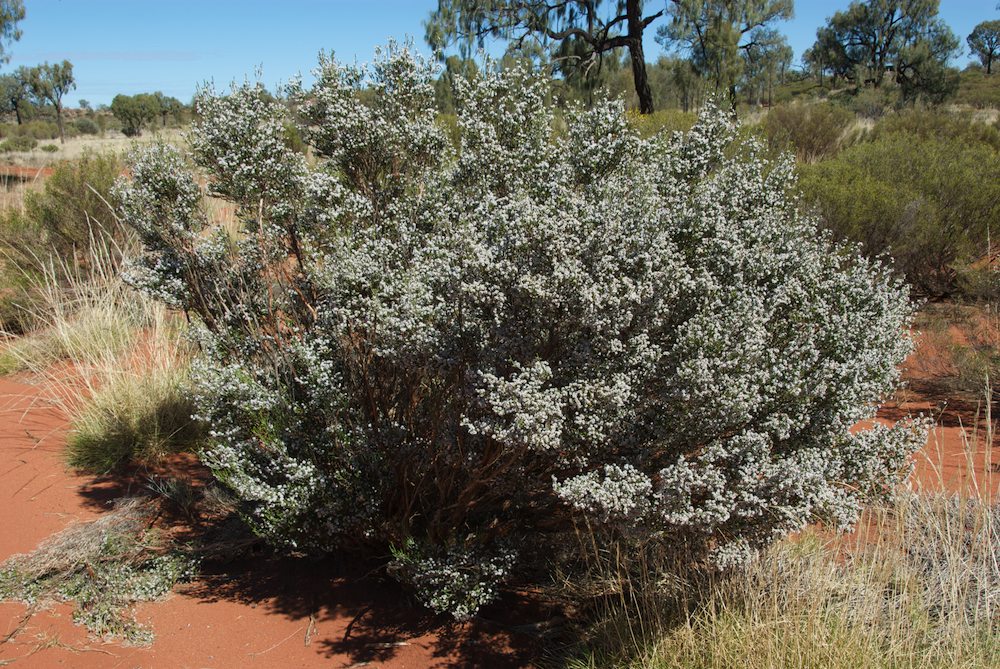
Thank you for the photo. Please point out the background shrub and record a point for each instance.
(920, 197)
(18, 143)
(930, 123)
(664, 120)
(463, 357)
(811, 131)
(61, 221)
(86, 126)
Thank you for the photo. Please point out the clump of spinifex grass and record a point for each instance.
(104, 567)
(114, 360)
(917, 586)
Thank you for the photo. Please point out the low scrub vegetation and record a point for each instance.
(917, 192)
(917, 587)
(55, 228)
(810, 131)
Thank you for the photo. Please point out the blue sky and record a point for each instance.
(132, 46)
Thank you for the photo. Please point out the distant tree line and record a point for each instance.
(137, 112)
(729, 48)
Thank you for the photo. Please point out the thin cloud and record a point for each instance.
(151, 56)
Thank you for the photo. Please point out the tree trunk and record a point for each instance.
(17, 111)
(59, 121)
(635, 50)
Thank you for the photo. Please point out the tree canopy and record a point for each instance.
(984, 42)
(135, 111)
(577, 33)
(11, 13)
(49, 83)
(871, 39)
(721, 36)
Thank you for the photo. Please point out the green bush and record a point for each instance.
(43, 129)
(60, 220)
(37, 129)
(930, 123)
(871, 103)
(18, 143)
(929, 202)
(811, 130)
(86, 126)
(50, 148)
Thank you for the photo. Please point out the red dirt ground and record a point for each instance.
(22, 172)
(262, 612)
(269, 612)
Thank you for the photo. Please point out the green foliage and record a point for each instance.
(984, 42)
(13, 92)
(868, 104)
(664, 120)
(58, 221)
(18, 143)
(926, 200)
(812, 131)
(11, 13)
(50, 148)
(71, 208)
(293, 139)
(37, 129)
(931, 123)
(135, 112)
(86, 126)
(868, 40)
(575, 34)
(49, 83)
(977, 89)
(721, 37)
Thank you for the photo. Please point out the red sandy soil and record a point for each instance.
(299, 612)
(260, 612)
(22, 172)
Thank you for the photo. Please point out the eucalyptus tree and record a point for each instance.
(11, 14)
(984, 42)
(50, 83)
(579, 33)
(718, 35)
(767, 58)
(14, 93)
(870, 39)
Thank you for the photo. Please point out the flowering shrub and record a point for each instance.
(460, 353)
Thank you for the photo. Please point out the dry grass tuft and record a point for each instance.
(916, 586)
(114, 360)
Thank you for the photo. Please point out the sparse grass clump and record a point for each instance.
(811, 131)
(116, 362)
(919, 587)
(104, 567)
(134, 419)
